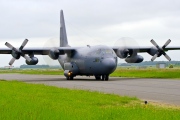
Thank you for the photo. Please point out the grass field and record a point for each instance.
(120, 72)
(24, 101)
(147, 73)
(34, 71)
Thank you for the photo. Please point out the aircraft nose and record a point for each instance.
(109, 64)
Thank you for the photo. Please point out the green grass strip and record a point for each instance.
(34, 71)
(24, 101)
(147, 73)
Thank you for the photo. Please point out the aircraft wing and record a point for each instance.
(138, 49)
(39, 51)
(155, 51)
(172, 48)
(151, 50)
(145, 49)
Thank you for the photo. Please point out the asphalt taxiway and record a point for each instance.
(158, 90)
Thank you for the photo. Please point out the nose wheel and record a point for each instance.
(98, 77)
(70, 78)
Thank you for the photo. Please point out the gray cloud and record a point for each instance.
(90, 21)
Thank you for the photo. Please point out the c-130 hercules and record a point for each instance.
(98, 61)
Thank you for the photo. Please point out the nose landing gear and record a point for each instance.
(69, 75)
(69, 78)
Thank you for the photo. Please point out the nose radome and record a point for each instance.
(109, 64)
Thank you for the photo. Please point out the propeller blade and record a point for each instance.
(154, 43)
(167, 57)
(166, 44)
(9, 45)
(23, 44)
(12, 61)
(154, 57)
(27, 58)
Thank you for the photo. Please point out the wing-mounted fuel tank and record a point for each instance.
(34, 61)
(134, 59)
(70, 69)
(152, 51)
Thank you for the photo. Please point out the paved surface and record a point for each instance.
(159, 90)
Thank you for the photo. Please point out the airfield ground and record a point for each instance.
(156, 90)
(163, 95)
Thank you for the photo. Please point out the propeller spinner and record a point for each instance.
(160, 50)
(16, 53)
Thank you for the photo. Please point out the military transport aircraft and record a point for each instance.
(98, 61)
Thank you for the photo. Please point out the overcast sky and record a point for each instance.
(90, 22)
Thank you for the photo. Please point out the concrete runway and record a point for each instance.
(156, 90)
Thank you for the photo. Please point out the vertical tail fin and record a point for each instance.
(63, 36)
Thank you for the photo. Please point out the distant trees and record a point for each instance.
(34, 66)
(41, 66)
(171, 66)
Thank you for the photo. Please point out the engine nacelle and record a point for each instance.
(34, 61)
(54, 54)
(152, 51)
(134, 59)
(122, 53)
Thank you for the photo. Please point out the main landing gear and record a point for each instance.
(69, 78)
(102, 77)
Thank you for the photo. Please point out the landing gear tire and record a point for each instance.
(107, 77)
(98, 77)
(70, 78)
(103, 76)
(67, 78)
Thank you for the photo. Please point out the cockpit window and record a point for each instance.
(103, 52)
(107, 51)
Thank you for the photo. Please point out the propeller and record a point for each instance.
(53, 43)
(160, 51)
(16, 53)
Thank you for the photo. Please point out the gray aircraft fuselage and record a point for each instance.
(91, 60)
